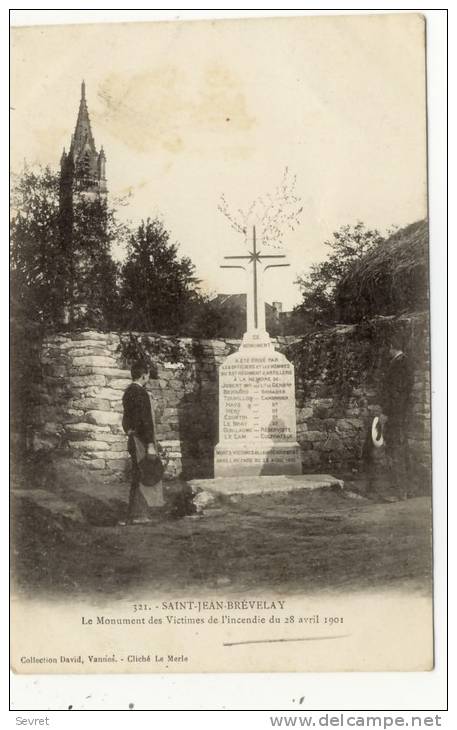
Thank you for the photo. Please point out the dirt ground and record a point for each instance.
(297, 542)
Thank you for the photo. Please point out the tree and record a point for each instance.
(94, 276)
(62, 273)
(213, 318)
(348, 245)
(271, 213)
(37, 283)
(158, 288)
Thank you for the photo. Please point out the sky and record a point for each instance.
(189, 111)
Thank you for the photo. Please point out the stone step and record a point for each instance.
(266, 484)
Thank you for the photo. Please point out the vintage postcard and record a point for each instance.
(220, 347)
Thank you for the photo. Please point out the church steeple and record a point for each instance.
(83, 138)
(87, 166)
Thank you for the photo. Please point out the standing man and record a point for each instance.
(139, 426)
(396, 394)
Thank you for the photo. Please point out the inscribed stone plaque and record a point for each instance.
(257, 431)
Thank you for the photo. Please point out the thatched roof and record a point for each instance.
(390, 279)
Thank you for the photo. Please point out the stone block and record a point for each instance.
(98, 404)
(116, 406)
(204, 500)
(90, 335)
(110, 394)
(110, 455)
(72, 415)
(97, 464)
(117, 384)
(75, 352)
(103, 418)
(169, 412)
(173, 445)
(81, 370)
(70, 344)
(115, 438)
(118, 446)
(114, 373)
(89, 445)
(80, 435)
(87, 427)
(97, 360)
(83, 381)
(52, 339)
(117, 428)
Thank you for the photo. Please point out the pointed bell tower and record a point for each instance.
(83, 169)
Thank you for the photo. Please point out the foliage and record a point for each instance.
(390, 279)
(158, 288)
(62, 274)
(348, 245)
(149, 348)
(337, 360)
(153, 348)
(37, 280)
(216, 317)
(94, 273)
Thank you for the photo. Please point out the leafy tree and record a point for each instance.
(94, 275)
(348, 245)
(62, 273)
(213, 318)
(158, 288)
(37, 284)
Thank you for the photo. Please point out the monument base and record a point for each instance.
(248, 485)
(259, 458)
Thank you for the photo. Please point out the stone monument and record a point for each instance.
(257, 427)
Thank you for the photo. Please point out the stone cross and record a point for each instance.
(255, 303)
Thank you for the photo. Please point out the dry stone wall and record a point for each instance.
(76, 403)
(339, 385)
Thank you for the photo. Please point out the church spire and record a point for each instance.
(83, 139)
(87, 171)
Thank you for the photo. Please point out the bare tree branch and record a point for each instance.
(272, 213)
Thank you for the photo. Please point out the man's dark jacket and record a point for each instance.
(137, 413)
(397, 386)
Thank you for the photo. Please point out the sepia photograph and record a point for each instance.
(220, 347)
